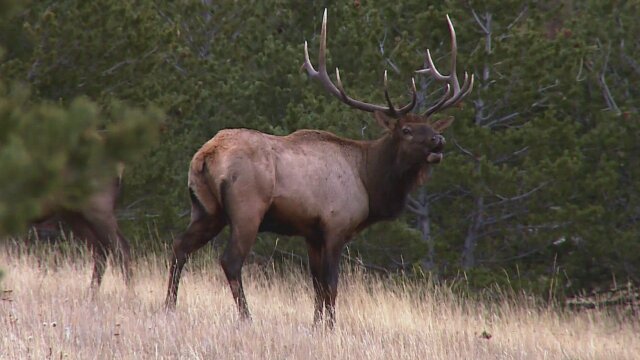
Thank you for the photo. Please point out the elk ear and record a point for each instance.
(384, 120)
(442, 124)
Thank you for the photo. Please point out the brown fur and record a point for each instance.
(310, 183)
(96, 224)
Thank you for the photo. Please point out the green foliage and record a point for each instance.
(54, 156)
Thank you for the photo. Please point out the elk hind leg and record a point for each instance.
(106, 233)
(245, 217)
(82, 229)
(100, 252)
(242, 239)
(202, 228)
(123, 257)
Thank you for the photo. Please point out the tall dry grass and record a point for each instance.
(46, 312)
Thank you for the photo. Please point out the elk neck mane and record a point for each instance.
(388, 179)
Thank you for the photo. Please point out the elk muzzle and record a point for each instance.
(438, 141)
(435, 155)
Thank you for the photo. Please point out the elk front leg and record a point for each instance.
(315, 267)
(325, 263)
(331, 268)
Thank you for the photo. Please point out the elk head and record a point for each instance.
(417, 140)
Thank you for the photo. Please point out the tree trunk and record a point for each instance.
(424, 225)
(471, 240)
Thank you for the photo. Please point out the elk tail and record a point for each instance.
(201, 185)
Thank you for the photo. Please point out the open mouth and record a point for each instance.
(434, 157)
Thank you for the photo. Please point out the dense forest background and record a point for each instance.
(541, 183)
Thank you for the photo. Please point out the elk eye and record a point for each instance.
(406, 131)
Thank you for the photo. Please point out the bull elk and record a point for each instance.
(311, 183)
(95, 223)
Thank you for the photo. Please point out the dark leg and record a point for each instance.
(330, 271)
(245, 203)
(315, 267)
(122, 254)
(99, 216)
(100, 252)
(201, 229)
(242, 239)
(103, 232)
(82, 229)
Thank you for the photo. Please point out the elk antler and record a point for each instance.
(448, 99)
(338, 91)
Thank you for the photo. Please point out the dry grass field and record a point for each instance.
(46, 313)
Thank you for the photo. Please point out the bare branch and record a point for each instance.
(502, 119)
(556, 83)
(482, 26)
(579, 76)
(115, 67)
(495, 220)
(381, 43)
(608, 97)
(413, 202)
(465, 151)
(417, 211)
(512, 155)
(504, 199)
(525, 8)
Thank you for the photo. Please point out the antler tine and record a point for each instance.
(454, 92)
(435, 107)
(338, 90)
(454, 56)
(386, 93)
(414, 99)
(470, 86)
(407, 108)
(467, 86)
(321, 58)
